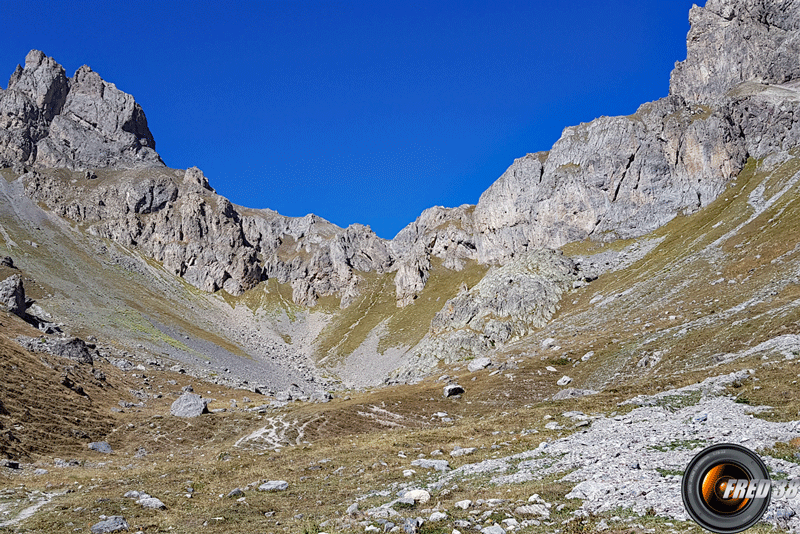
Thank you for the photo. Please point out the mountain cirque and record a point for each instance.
(733, 98)
(605, 310)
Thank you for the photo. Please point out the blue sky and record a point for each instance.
(356, 111)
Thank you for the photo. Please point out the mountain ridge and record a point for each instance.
(609, 179)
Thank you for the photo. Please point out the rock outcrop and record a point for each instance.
(49, 120)
(508, 303)
(737, 41)
(12, 295)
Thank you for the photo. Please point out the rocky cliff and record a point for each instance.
(734, 98)
(49, 120)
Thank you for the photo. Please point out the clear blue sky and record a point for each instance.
(359, 111)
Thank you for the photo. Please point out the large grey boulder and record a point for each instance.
(189, 405)
(12, 295)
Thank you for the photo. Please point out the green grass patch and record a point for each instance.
(669, 472)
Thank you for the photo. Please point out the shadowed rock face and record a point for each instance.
(49, 120)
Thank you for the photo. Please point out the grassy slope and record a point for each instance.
(633, 318)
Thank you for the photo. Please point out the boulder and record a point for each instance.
(418, 495)
(569, 393)
(438, 465)
(101, 446)
(152, 503)
(274, 485)
(189, 405)
(536, 510)
(452, 390)
(74, 349)
(458, 451)
(478, 363)
(12, 295)
(115, 523)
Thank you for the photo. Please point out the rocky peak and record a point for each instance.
(49, 120)
(735, 41)
(43, 81)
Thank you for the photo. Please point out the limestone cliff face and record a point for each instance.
(736, 96)
(736, 41)
(49, 120)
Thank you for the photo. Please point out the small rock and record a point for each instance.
(404, 501)
(352, 510)
(101, 446)
(115, 523)
(462, 452)
(564, 380)
(466, 503)
(437, 516)
(411, 525)
(321, 396)
(438, 465)
(236, 492)
(586, 356)
(419, 495)
(274, 485)
(151, 502)
(451, 390)
(494, 529)
(569, 393)
(40, 472)
(478, 363)
(551, 368)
